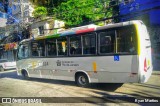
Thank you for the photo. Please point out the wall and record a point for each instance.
(149, 12)
(49, 25)
(138, 8)
(3, 22)
(35, 30)
(21, 5)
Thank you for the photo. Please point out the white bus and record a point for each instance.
(118, 53)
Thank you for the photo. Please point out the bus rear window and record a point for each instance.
(126, 40)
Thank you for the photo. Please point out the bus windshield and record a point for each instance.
(23, 51)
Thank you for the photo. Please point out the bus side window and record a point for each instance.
(52, 51)
(51, 47)
(34, 52)
(38, 48)
(107, 41)
(89, 44)
(41, 48)
(62, 46)
(75, 45)
(72, 49)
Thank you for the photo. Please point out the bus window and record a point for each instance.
(89, 44)
(107, 41)
(126, 40)
(38, 48)
(51, 45)
(75, 45)
(23, 51)
(62, 46)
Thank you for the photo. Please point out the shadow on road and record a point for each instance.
(111, 87)
(103, 89)
(102, 86)
(127, 98)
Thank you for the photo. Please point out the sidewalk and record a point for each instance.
(156, 73)
(156, 62)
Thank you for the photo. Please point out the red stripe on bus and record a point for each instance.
(84, 30)
(145, 65)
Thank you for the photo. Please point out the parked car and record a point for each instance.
(6, 65)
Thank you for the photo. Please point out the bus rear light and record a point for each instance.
(133, 74)
(145, 65)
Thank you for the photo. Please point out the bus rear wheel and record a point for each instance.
(82, 80)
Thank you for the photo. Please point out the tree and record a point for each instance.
(40, 11)
(48, 4)
(75, 12)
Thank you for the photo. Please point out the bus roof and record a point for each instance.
(85, 29)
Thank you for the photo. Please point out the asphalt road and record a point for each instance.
(12, 85)
(156, 64)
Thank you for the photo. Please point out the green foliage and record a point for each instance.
(75, 12)
(48, 4)
(40, 11)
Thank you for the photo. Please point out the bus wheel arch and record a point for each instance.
(82, 79)
(24, 73)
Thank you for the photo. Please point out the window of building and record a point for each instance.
(38, 48)
(89, 44)
(107, 41)
(41, 30)
(75, 45)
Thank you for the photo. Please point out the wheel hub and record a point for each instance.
(82, 80)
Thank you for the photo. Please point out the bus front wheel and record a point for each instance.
(25, 74)
(82, 80)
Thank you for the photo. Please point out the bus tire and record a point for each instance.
(1, 69)
(25, 74)
(82, 80)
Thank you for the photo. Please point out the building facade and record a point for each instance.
(20, 17)
(17, 15)
(46, 27)
(149, 12)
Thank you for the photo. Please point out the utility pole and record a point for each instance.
(105, 6)
(21, 11)
(115, 5)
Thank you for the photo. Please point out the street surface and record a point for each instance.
(12, 85)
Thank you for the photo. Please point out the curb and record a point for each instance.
(156, 73)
